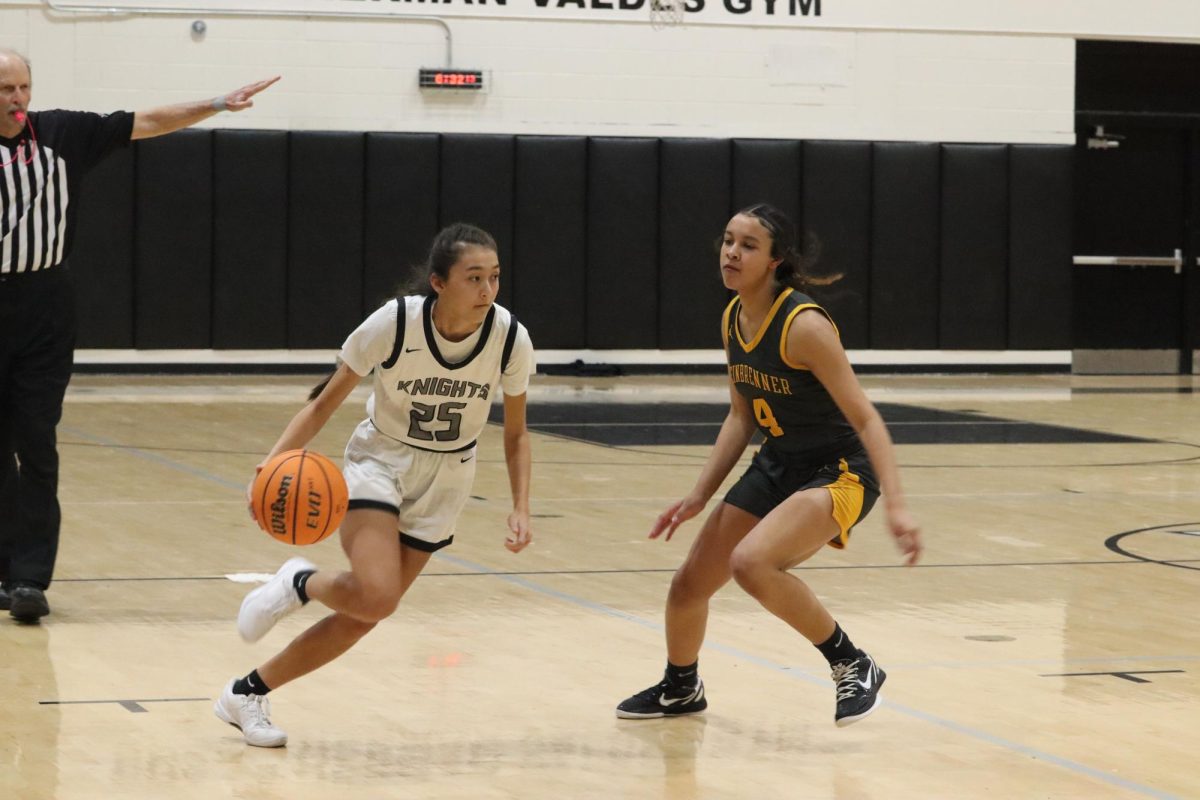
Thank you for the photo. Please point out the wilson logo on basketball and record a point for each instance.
(279, 507)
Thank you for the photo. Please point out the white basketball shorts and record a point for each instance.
(427, 490)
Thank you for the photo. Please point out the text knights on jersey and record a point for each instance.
(444, 387)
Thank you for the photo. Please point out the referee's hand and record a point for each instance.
(239, 99)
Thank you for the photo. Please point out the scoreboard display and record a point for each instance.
(469, 79)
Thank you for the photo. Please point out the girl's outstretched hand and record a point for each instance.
(908, 535)
(677, 513)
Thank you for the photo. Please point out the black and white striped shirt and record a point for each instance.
(39, 182)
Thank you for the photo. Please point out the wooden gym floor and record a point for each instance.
(1046, 647)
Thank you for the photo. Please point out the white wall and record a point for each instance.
(941, 70)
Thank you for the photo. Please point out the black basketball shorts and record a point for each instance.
(771, 479)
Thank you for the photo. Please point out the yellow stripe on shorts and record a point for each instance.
(847, 494)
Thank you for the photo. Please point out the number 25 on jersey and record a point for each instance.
(423, 414)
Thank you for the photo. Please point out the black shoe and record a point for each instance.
(857, 683)
(664, 700)
(28, 604)
(5, 597)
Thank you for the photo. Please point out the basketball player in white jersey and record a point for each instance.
(438, 361)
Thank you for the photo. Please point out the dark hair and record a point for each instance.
(794, 268)
(443, 253)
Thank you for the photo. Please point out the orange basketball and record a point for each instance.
(299, 497)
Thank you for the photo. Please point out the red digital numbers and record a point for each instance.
(451, 79)
(455, 79)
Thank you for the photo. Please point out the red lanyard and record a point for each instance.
(26, 160)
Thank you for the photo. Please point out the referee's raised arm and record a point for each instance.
(165, 119)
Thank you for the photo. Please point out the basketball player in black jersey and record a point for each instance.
(825, 457)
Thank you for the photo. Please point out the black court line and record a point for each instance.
(691, 459)
(1113, 543)
(697, 458)
(1145, 390)
(163, 449)
(653, 570)
(1128, 675)
(129, 705)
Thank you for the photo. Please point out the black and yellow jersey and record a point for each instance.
(795, 413)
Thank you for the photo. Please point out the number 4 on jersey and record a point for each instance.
(764, 417)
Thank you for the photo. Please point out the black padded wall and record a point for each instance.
(694, 205)
(401, 211)
(173, 242)
(974, 259)
(274, 239)
(905, 246)
(837, 214)
(767, 171)
(1039, 288)
(622, 243)
(325, 238)
(250, 239)
(477, 187)
(549, 266)
(102, 256)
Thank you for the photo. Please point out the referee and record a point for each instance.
(43, 158)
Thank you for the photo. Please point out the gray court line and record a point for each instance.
(983, 736)
(717, 424)
(156, 459)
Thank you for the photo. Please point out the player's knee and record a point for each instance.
(685, 586)
(379, 603)
(747, 568)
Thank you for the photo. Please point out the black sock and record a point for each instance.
(251, 684)
(299, 581)
(838, 647)
(683, 676)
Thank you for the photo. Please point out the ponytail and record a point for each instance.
(315, 392)
(794, 268)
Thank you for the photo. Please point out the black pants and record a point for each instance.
(37, 345)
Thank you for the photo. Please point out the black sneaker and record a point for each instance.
(857, 683)
(664, 700)
(5, 597)
(28, 604)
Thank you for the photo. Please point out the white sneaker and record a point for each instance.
(272, 601)
(252, 714)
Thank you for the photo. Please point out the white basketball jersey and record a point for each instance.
(422, 399)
